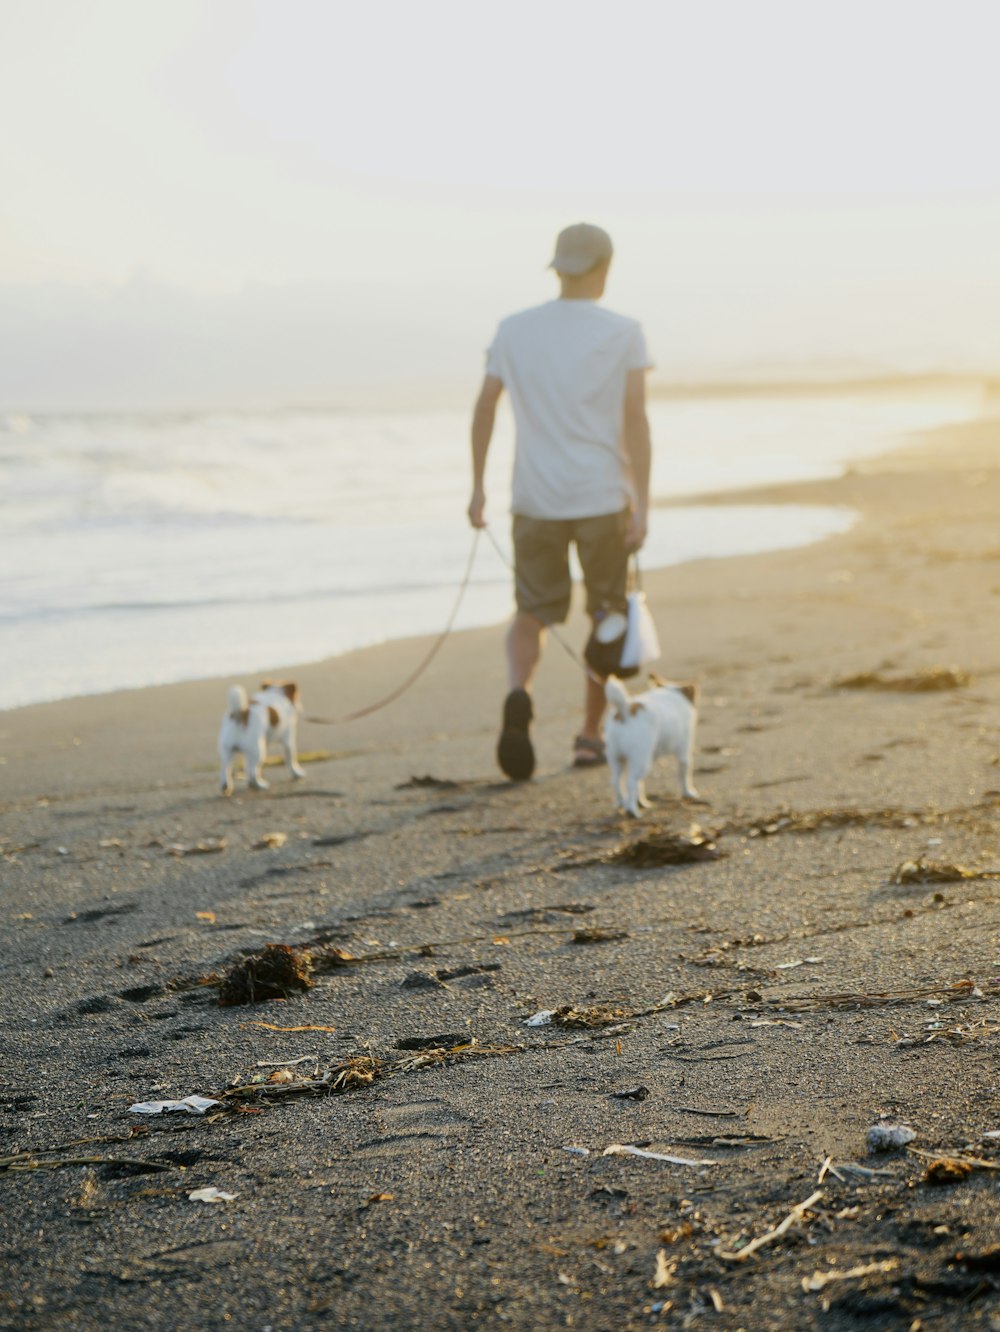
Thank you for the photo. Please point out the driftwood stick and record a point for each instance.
(795, 1217)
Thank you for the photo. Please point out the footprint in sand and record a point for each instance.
(415, 1126)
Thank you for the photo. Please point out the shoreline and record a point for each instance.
(131, 626)
(811, 516)
(828, 492)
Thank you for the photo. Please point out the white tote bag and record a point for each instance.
(642, 644)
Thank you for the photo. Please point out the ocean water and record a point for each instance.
(138, 550)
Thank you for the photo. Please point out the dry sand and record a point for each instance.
(810, 994)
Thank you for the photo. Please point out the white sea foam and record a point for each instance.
(133, 547)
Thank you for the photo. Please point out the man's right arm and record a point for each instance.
(483, 418)
(639, 452)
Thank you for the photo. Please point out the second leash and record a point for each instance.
(415, 675)
(566, 647)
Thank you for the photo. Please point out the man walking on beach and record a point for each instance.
(576, 375)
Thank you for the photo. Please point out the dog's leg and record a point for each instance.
(615, 769)
(255, 766)
(640, 763)
(226, 776)
(634, 785)
(297, 772)
(685, 763)
(291, 753)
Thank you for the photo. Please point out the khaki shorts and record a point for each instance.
(541, 563)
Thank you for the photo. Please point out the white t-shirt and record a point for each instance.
(565, 366)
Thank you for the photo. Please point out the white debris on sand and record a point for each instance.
(190, 1105)
(889, 1137)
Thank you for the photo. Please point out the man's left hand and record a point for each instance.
(477, 508)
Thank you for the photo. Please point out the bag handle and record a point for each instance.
(636, 571)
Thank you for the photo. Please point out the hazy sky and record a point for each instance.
(216, 200)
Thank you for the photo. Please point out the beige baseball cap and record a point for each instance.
(580, 248)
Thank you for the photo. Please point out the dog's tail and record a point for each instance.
(238, 703)
(618, 699)
(689, 688)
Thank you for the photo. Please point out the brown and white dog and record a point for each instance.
(643, 728)
(250, 725)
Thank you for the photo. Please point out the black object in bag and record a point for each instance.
(604, 646)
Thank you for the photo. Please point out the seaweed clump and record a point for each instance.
(272, 973)
(927, 681)
(666, 848)
(600, 1015)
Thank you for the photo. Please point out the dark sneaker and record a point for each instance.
(515, 752)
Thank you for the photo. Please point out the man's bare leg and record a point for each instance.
(525, 638)
(588, 750)
(594, 704)
(515, 752)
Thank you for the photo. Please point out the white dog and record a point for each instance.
(644, 728)
(250, 725)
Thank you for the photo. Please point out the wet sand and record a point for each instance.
(773, 1003)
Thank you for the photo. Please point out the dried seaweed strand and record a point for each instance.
(21, 1163)
(73, 1142)
(957, 990)
(401, 950)
(362, 1070)
(975, 1162)
(270, 1026)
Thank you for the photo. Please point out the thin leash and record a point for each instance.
(439, 642)
(415, 675)
(567, 648)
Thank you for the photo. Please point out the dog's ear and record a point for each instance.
(690, 691)
(288, 687)
(656, 680)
